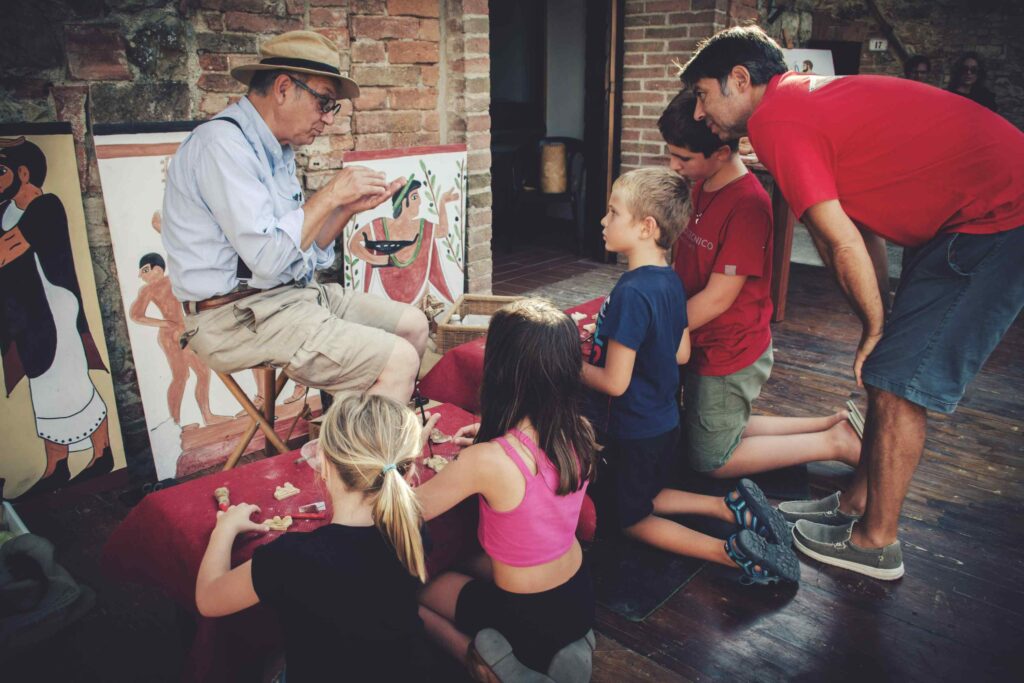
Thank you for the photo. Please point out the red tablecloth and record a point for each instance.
(162, 542)
(457, 376)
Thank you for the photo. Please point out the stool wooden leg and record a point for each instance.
(267, 383)
(259, 421)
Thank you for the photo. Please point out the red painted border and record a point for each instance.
(374, 154)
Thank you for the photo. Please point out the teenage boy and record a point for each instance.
(724, 259)
(925, 169)
(639, 342)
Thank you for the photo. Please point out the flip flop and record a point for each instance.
(855, 418)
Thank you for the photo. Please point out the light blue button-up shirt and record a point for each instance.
(233, 193)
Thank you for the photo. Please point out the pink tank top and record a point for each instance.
(542, 527)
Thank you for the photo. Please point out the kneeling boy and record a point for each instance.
(640, 340)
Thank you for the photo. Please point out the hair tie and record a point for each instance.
(387, 468)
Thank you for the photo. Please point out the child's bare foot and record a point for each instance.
(847, 443)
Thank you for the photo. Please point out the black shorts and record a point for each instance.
(631, 472)
(536, 625)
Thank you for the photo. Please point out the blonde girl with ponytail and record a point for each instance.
(345, 593)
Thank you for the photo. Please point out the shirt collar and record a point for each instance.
(276, 152)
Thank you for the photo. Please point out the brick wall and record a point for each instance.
(423, 66)
(656, 34)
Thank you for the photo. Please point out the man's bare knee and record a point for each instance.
(398, 377)
(413, 328)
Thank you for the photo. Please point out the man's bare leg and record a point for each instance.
(893, 442)
(413, 328)
(398, 378)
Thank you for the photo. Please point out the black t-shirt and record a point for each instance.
(346, 604)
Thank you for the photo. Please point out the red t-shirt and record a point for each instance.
(733, 236)
(906, 160)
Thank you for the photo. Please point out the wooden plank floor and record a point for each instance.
(958, 614)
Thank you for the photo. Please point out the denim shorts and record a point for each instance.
(957, 296)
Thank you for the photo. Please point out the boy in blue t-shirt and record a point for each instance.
(640, 340)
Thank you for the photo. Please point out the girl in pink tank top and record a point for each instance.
(530, 465)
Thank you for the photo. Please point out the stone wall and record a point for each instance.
(423, 66)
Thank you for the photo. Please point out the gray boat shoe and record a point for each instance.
(823, 511)
(831, 545)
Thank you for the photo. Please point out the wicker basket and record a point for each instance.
(449, 334)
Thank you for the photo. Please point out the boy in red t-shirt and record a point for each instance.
(925, 169)
(724, 258)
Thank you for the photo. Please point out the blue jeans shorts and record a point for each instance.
(957, 296)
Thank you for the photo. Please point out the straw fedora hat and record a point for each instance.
(305, 52)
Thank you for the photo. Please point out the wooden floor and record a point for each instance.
(957, 615)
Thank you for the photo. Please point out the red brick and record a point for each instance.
(96, 53)
(370, 98)
(646, 46)
(630, 135)
(631, 34)
(683, 45)
(413, 52)
(219, 83)
(669, 6)
(259, 23)
(421, 139)
(630, 72)
(633, 97)
(429, 29)
(665, 33)
(386, 122)
(385, 27)
(632, 20)
(476, 25)
(633, 59)
(368, 51)
(342, 141)
(295, 7)
(213, 62)
(342, 126)
(358, 6)
(338, 35)
(385, 75)
(474, 7)
(28, 88)
(481, 140)
(629, 160)
(412, 98)
(329, 17)
(671, 84)
(478, 122)
(474, 46)
(331, 161)
(431, 121)
(371, 141)
(429, 74)
(415, 8)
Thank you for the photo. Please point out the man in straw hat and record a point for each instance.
(243, 243)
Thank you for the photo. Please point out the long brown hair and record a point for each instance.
(533, 369)
(372, 443)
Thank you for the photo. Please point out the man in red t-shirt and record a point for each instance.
(922, 168)
(724, 259)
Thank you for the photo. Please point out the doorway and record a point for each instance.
(553, 72)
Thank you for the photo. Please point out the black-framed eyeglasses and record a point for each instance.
(328, 105)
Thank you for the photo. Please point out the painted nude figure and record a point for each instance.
(157, 291)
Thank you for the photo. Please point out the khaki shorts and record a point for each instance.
(323, 336)
(717, 410)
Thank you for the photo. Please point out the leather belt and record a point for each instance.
(194, 307)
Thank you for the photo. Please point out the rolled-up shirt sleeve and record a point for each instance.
(239, 200)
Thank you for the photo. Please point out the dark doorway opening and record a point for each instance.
(551, 69)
